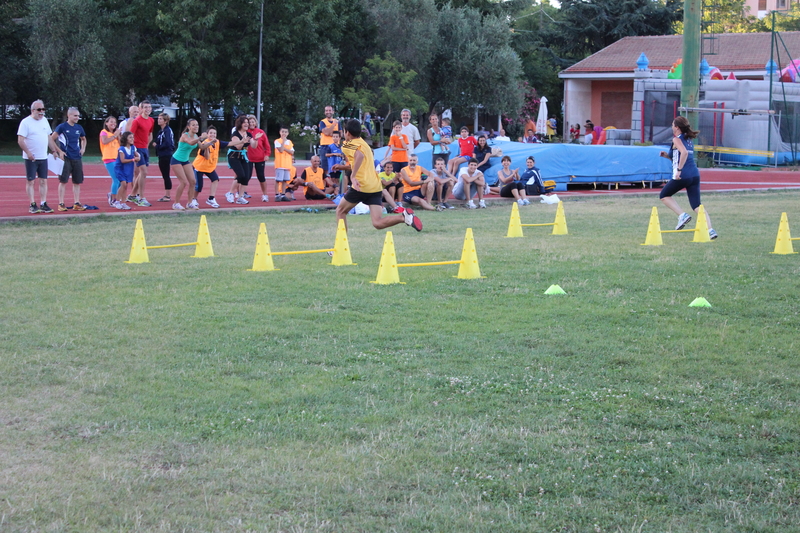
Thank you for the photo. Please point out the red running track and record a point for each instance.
(14, 202)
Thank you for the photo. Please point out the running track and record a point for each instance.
(14, 202)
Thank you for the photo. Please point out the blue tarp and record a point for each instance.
(573, 163)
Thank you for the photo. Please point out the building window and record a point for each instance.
(779, 4)
(762, 5)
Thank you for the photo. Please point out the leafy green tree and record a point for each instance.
(17, 82)
(725, 16)
(68, 55)
(789, 21)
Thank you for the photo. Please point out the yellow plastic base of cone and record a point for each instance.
(139, 246)
(515, 224)
(783, 244)
(341, 247)
(262, 261)
(387, 270)
(560, 226)
(653, 230)
(701, 229)
(203, 248)
(469, 267)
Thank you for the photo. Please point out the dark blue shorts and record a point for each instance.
(144, 157)
(407, 196)
(692, 186)
(173, 161)
(198, 176)
(36, 168)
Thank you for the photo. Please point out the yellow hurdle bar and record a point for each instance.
(172, 245)
(676, 230)
(303, 252)
(531, 225)
(435, 263)
(795, 239)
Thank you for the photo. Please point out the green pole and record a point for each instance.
(690, 81)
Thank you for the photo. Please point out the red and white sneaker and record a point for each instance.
(412, 220)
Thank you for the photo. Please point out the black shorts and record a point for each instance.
(314, 196)
(505, 191)
(74, 167)
(692, 186)
(367, 198)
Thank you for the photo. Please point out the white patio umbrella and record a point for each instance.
(541, 119)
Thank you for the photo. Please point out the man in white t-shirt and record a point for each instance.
(133, 112)
(410, 130)
(33, 137)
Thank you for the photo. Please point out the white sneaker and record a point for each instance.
(144, 203)
(124, 206)
(178, 207)
(482, 204)
(525, 201)
(212, 202)
(521, 201)
(683, 219)
(471, 205)
(241, 201)
(110, 201)
(118, 204)
(229, 197)
(193, 204)
(264, 198)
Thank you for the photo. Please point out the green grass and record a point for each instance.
(192, 395)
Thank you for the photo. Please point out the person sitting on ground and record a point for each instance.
(532, 179)
(392, 186)
(415, 189)
(466, 145)
(444, 182)
(530, 137)
(509, 184)
(470, 183)
(312, 179)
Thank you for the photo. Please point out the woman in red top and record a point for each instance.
(258, 155)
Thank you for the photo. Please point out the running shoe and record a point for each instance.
(683, 220)
(525, 201)
(242, 201)
(131, 198)
(122, 206)
(44, 208)
(212, 202)
(229, 197)
(440, 207)
(33, 209)
(448, 206)
(471, 205)
(412, 220)
(164, 199)
(62, 207)
(712, 234)
(247, 195)
(520, 202)
(144, 203)
(193, 204)
(264, 198)
(482, 204)
(178, 207)
(110, 201)
(399, 209)
(77, 206)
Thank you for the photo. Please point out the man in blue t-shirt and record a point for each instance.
(72, 140)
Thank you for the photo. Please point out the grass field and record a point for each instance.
(192, 395)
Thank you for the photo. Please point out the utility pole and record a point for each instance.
(690, 80)
(260, 47)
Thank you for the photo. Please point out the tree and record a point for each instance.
(789, 21)
(68, 54)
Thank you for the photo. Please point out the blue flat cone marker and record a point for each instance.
(555, 289)
(700, 302)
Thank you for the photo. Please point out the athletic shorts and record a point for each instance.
(34, 168)
(407, 196)
(505, 191)
(74, 167)
(173, 161)
(692, 186)
(144, 157)
(367, 198)
(198, 185)
(282, 174)
(397, 166)
(314, 196)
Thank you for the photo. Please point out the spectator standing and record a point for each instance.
(125, 166)
(237, 158)
(399, 146)
(368, 123)
(142, 129)
(72, 138)
(34, 137)
(284, 152)
(257, 155)
(109, 148)
(326, 128)
(133, 112)
(438, 139)
(164, 144)
(410, 131)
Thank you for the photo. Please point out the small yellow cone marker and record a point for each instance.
(387, 270)
(203, 248)
(555, 289)
(262, 261)
(653, 230)
(139, 245)
(341, 247)
(560, 226)
(783, 244)
(514, 225)
(469, 268)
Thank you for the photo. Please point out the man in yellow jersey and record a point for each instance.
(365, 185)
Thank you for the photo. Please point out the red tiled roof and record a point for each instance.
(735, 51)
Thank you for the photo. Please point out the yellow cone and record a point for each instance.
(783, 244)
(469, 268)
(514, 225)
(139, 246)
(341, 247)
(262, 262)
(701, 228)
(653, 230)
(203, 248)
(560, 226)
(387, 271)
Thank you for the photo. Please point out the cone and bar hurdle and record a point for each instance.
(654, 230)
(783, 244)
(388, 273)
(515, 225)
(139, 246)
(262, 262)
